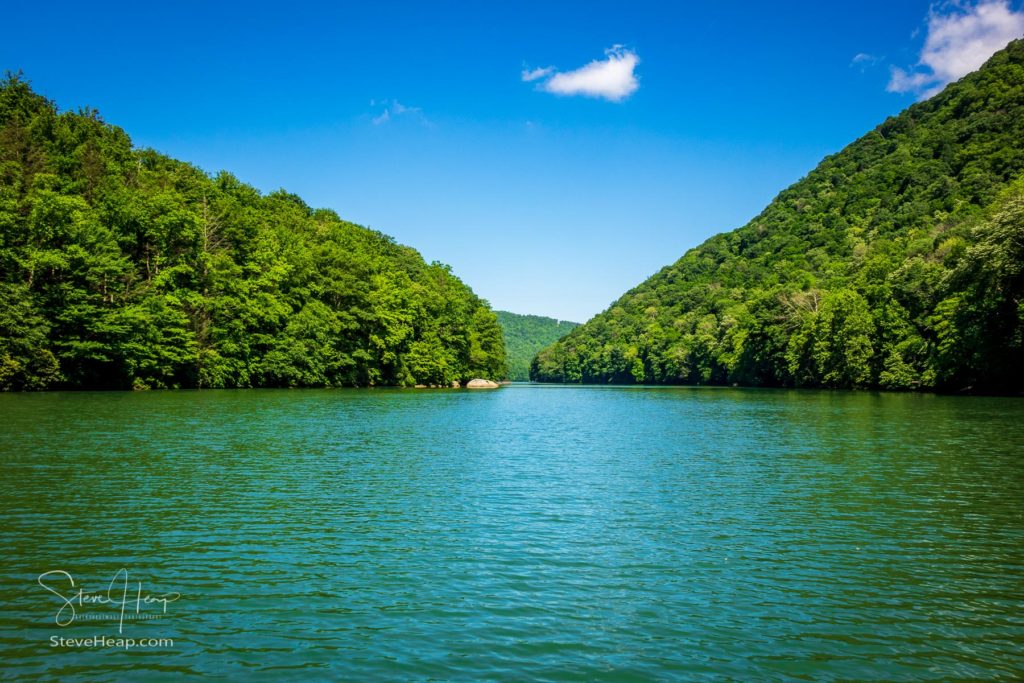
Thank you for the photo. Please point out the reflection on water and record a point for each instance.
(529, 533)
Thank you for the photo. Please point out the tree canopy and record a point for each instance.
(123, 268)
(896, 263)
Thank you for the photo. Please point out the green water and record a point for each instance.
(529, 533)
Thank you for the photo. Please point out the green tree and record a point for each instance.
(123, 268)
(895, 263)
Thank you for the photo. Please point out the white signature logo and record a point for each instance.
(120, 594)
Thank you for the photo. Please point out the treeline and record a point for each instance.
(897, 263)
(525, 335)
(123, 268)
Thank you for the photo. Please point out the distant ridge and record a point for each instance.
(525, 335)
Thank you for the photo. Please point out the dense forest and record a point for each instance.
(525, 335)
(897, 263)
(123, 268)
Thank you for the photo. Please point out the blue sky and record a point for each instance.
(551, 196)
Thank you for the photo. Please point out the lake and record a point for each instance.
(529, 533)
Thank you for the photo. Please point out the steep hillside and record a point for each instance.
(896, 263)
(123, 268)
(525, 335)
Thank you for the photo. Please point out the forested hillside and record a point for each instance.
(525, 335)
(896, 263)
(123, 268)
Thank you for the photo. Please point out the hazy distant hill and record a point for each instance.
(525, 335)
(896, 263)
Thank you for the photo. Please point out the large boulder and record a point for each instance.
(481, 384)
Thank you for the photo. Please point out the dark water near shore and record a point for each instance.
(548, 533)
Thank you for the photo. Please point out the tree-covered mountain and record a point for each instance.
(896, 263)
(123, 268)
(525, 335)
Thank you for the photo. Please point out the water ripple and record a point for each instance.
(532, 533)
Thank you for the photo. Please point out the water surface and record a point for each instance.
(548, 533)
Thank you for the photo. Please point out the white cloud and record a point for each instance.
(394, 108)
(612, 78)
(865, 58)
(400, 108)
(534, 74)
(960, 38)
(865, 61)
